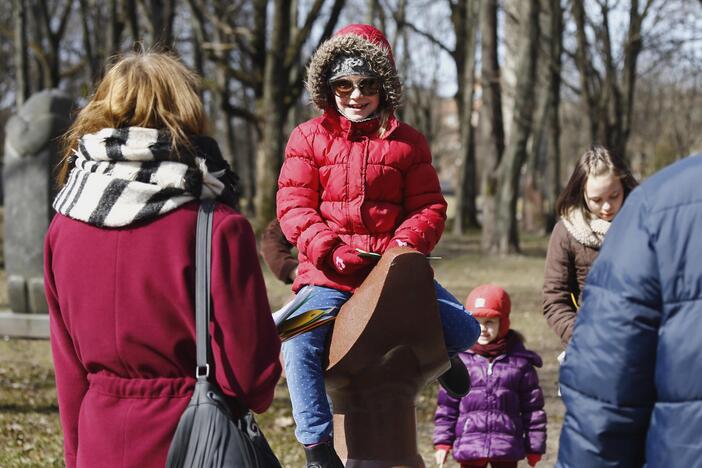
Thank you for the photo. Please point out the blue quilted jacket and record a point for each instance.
(632, 379)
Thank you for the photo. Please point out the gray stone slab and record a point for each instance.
(24, 325)
(32, 151)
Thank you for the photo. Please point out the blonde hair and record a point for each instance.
(141, 89)
(384, 117)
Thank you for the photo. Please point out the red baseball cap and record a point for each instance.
(490, 300)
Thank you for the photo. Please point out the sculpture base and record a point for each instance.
(387, 442)
(24, 325)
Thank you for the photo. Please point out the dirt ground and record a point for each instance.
(30, 433)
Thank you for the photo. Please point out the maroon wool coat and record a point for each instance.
(121, 304)
(343, 184)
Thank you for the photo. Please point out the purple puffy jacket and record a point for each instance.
(502, 418)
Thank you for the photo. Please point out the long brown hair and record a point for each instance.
(141, 89)
(596, 161)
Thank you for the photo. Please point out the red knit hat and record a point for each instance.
(490, 300)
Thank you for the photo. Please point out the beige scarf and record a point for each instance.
(587, 229)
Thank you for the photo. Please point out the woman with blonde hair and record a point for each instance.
(120, 270)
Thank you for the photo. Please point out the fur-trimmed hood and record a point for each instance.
(354, 39)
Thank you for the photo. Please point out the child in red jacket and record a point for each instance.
(354, 178)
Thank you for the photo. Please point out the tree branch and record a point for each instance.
(293, 51)
(424, 34)
(331, 21)
(297, 72)
(64, 20)
(241, 112)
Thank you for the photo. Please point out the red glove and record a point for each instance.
(533, 458)
(346, 260)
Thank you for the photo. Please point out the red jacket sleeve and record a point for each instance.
(424, 204)
(298, 202)
(245, 345)
(71, 376)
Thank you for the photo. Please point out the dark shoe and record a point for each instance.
(456, 380)
(322, 456)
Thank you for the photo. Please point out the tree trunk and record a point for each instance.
(514, 13)
(51, 59)
(632, 49)
(585, 69)
(161, 14)
(21, 60)
(272, 110)
(129, 9)
(506, 239)
(542, 184)
(91, 54)
(553, 166)
(491, 121)
(466, 215)
(372, 11)
(249, 175)
(115, 26)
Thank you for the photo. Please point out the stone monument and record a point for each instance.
(31, 157)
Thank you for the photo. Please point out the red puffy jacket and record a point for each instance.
(342, 183)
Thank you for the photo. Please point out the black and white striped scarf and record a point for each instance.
(125, 175)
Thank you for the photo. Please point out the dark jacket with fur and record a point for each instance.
(276, 252)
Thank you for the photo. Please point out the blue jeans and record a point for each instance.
(303, 358)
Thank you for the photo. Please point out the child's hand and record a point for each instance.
(441, 454)
(533, 458)
(346, 260)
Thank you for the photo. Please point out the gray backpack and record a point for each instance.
(208, 435)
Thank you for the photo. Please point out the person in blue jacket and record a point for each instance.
(632, 379)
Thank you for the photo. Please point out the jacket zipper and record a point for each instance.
(489, 373)
(364, 170)
(487, 385)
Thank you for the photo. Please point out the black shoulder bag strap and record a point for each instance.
(203, 266)
(251, 449)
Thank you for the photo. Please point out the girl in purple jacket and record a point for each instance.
(502, 419)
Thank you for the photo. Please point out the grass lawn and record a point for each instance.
(30, 434)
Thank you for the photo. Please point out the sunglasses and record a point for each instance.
(344, 87)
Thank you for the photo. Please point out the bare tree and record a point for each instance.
(608, 91)
(491, 120)
(102, 25)
(47, 44)
(506, 235)
(270, 66)
(159, 15)
(463, 15)
(542, 179)
(466, 211)
(552, 183)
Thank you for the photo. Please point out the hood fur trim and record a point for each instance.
(379, 58)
